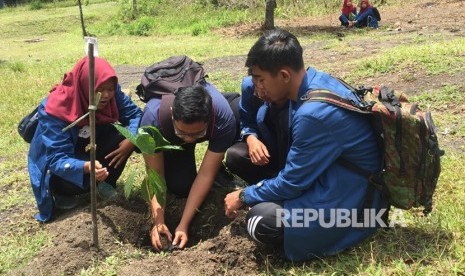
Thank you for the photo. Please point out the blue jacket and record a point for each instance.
(52, 152)
(363, 15)
(320, 134)
(252, 112)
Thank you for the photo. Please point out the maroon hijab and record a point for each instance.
(70, 99)
(346, 10)
(362, 10)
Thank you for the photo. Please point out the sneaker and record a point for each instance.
(65, 202)
(106, 191)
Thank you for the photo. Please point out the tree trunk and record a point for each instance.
(134, 8)
(269, 14)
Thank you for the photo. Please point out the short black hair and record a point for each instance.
(192, 104)
(275, 49)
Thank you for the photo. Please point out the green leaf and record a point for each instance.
(128, 187)
(126, 133)
(159, 186)
(160, 141)
(145, 142)
(147, 190)
(148, 140)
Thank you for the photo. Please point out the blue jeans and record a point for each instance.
(372, 22)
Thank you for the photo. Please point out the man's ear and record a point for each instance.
(285, 75)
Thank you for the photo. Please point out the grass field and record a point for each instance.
(434, 62)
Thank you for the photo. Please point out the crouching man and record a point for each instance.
(315, 206)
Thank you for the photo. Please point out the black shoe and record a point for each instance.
(66, 202)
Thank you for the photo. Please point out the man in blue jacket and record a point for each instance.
(314, 206)
(262, 149)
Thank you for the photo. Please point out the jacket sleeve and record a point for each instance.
(60, 150)
(247, 110)
(129, 113)
(308, 158)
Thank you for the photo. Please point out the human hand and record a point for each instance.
(158, 232)
(232, 203)
(101, 173)
(257, 151)
(120, 154)
(180, 237)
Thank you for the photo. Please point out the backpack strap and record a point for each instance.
(323, 95)
(165, 119)
(326, 96)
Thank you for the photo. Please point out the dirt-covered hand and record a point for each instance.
(232, 203)
(180, 237)
(257, 151)
(156, 234)
(119, 155)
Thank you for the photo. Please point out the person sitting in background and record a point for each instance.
(349, 12)
(262, 150)
(193, 115)
(58, 161)
(367, 17)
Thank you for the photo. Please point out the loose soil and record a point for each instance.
(218, 245)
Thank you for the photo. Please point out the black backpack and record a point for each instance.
(167, 76)
(27, 126)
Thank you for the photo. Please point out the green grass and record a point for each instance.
(17, 248)
(445, 107)
(428, 246)
(435, 57)
(200, 21)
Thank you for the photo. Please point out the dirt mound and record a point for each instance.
(230, 251)
(121, 225)
(216, 244)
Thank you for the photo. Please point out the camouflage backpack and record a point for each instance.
(407, 139)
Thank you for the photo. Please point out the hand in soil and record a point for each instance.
(180, 237)
(161, 237)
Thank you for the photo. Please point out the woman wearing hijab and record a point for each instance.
(349, 12)
(367, 17)
(57, 161)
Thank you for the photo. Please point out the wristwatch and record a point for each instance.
(242, 196)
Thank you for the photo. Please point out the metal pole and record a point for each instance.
(92, 146)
